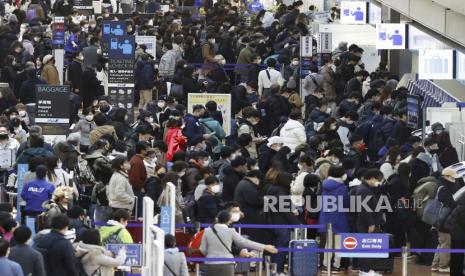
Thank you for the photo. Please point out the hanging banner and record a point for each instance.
(391, 36)
(121, 72)
(353, 12)
(325, 43)
(306, 46)
(436, 64)
(222, 100)
(150, 42)
(58, 32)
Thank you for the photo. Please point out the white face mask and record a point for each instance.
(215, 189)
(235, 217)
(161, 104)
(149, 120)
(212, 41)
(344, 177)
(333, 67)
(328, 110)
(181, 174)
(295, 62)
(335, 161)
(333, 127)
(22, 113)
(377, 183)
(89, 117)
(299, 166)
(233, 156)
(206, 163)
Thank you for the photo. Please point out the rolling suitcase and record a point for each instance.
(385, 265)
(303, 263)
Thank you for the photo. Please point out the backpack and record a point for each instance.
(100, 192)
(113, 238)
(84, 173)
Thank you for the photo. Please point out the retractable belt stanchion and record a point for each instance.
(405, 261)
(329, 242)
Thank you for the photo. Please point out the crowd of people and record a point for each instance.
(342, 133)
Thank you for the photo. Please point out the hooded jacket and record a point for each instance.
(231, 179)
(96, 258)
(333, 187)
(111, 228)
(293, 133)
(175, 141)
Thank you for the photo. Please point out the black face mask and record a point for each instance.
(161, 175)
(3, 136)
(104, 108)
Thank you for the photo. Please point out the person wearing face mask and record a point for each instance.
(250, 118)
(254, 68)
(137, 173)
(369, 221)
(250, 200)
(89, 53)
(292, 70)
(305, 166)
(400, 131)
(120, 193)
(85, 125)
(357, 151)
(245, 58)
(208, 48)
(391, 162)
(6, 142)
(333, 187)
(432, 149)
(210, 203)
(226, 156)
(346, 127)
(153, 185)
(144, 80)
(217, 71)
(193, 128)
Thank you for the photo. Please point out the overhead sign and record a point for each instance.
(150, 42)
(391, 36)
(58, 32)
(353, 12)
(359, 242)
(306, 46)
(222, 100)
(133, 253)
(83, 5)
(111, 29)
(436, 64)
(325, 43)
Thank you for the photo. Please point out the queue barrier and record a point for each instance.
(244, 226)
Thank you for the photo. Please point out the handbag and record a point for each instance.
(176, 91)
(435, 212)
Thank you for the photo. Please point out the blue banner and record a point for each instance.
(133, 253)
(357, 241)
(165, 219)
(22, 170)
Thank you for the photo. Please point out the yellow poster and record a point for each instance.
(222, 100)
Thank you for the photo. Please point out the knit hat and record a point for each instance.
(47, 58)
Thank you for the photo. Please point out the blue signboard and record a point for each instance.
(22, 170)
(391, 36)
(116, 28)
(413, 111)
(360, 242)
(353, 12)
(133, 253)
(122, 47)
(165, 219)
(255, 6)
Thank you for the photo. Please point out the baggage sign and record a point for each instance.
(359, 242)
(133, 253)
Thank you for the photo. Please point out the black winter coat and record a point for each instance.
(456, 221)
(280, 216)
(231, 179)
(364, 218)
(265, 157)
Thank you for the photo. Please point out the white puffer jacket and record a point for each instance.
(293, 133)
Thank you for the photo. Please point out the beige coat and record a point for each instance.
(50, 74)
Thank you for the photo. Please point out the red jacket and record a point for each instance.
(137, 173)
(176, 141)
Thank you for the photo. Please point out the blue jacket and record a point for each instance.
(35, 193)
(144, 75)
(30, 152)
(339, 219)
(192, 127)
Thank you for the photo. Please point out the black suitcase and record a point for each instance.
(385, 265)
